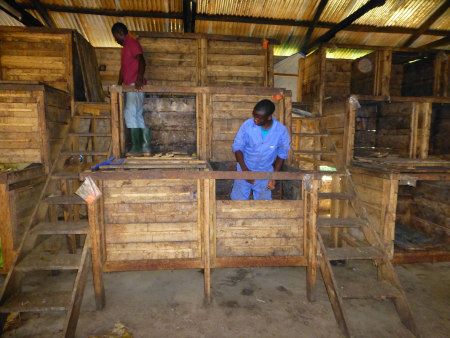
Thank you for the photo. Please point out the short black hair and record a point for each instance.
(265, 106)
(119, 27)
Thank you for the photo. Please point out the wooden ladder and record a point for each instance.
(58, 238)
(351, 235)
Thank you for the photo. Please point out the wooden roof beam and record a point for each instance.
(189, 14)
(44, 13)
(438, 43)
(367, 7)
(428, 22)
(234, 18)
(313, 24)
(18, 12)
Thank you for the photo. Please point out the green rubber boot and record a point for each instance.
(135, 141)
(146, 138)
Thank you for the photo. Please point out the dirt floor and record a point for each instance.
(263, 302)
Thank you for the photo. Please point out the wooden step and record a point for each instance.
(314, 152)
(379, 290)
(89, 134)
(84, 153)
(334, 196)
(62, 228)
(368, 252)
(352, 240)
(64, 200)
(37, 302)
(65, 175)
(93, 116)
(339, 222)
(40, 259)
(311, 134)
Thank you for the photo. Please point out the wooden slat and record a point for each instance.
(368, 253)
(37, 302)
(339, 222)
(61, 228)
(64, 200)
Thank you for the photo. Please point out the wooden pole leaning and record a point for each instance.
(96, 254)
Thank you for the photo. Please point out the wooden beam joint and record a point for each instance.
(19, 13)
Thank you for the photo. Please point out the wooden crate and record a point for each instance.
(174, 59)
(20, 188)
(59, 58)
(219, 112)
(396, 192)
(34, 118)
(171, 218)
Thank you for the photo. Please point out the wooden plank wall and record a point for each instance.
(430, 211)
(363, 75)
(20, 130)
(172, 121)
(36, 56)
(89, 68)
(311, 70)
(19, 191)
(32, 120)
(440, 130)
(151, 219)
(228, 112)
(108, 60)
(338, 75)
(57, 117)
(259, 228)
(379, 196)
(393, 128)
(236, 63)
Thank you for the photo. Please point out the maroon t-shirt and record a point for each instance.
(129, 62)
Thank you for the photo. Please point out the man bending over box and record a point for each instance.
(132, 68)
(261, 144)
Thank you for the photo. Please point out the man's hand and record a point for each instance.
(139, 83)
(271, 185)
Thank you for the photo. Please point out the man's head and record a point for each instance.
(262, 113)
(119, 31)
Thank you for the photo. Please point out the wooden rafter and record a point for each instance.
(44, 13)
(313, 24)
(235, 18)
(15, 10)
(428, 22)
(438, 43)
(367, 7)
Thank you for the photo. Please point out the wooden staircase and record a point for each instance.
(350, 235)
(50, 271)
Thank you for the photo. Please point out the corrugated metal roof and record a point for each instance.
(403, 13)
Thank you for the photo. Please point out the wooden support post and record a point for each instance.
(388, 212)
(6, 233)
(383, 64)
(202, 62)
(413, 127)
(426, 110)
(335, 206)
(206, 220)
(300, 77)
(95, 240)
(311, 233)
(115, 123)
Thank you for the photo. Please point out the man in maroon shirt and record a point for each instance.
(132, 68)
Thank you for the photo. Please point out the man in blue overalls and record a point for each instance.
(261, 144)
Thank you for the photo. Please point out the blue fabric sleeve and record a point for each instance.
(284, 144)
(240, 139)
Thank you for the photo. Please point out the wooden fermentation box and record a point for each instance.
(187, 59)
(60, 58)
(33, 120)
(204, 120)
(381, 72)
